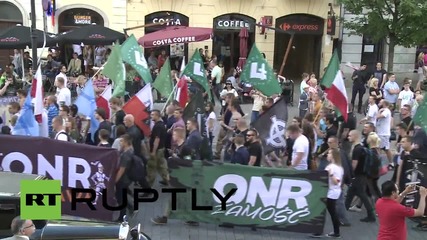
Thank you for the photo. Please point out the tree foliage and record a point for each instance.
(401, 22)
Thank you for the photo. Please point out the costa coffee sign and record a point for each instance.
(301, 24)
(165, 19)
(234, 22)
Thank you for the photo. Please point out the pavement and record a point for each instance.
(177, 230)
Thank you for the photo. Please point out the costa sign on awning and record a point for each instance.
(175, 34)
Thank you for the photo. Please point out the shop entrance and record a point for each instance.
(226, 41)
(10, 15)
(177, 51)
(305, 54)
(72, 19)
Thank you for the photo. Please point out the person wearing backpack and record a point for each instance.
(59, 128)
(360, 181)
(373, 164)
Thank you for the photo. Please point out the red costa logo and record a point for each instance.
(96, 36)
(299, 27)
(9, 39)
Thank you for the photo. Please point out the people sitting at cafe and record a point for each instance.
(51, 67)
(75, 66)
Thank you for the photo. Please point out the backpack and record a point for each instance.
(372, 163)
(69, 139)
(136, 170)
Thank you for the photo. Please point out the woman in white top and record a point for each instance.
(335, 176)
(210, 119)
(228, 89)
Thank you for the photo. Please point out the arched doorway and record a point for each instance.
(10, 15)
(174, 51)
(74, 18)
(226, 40)
(305, 54)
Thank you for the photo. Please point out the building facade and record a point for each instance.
(69, 14)
(311, 49)
(361, 49)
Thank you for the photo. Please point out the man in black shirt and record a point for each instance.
(360, 79)
(122, 179)
(135, 133)
(360, 182)
(380, 74)
(157, 162)
(255, 148)
(405, 112)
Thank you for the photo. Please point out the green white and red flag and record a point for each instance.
(333, 81)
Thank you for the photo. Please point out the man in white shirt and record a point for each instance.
(383, 129)
(62, 73)
(63, 96)
(21, 229)
(216, 75)
(371, 116)
(406, 96)
(59, 128)
(300, 149)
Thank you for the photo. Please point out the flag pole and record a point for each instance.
(318, 113)
(169, 98)
(409, 125)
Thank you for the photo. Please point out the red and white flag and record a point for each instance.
(181, 94)
(140, 106)
(37, 95)
(103, 101)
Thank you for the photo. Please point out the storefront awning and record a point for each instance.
(172, 35)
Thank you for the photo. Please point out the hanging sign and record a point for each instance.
(80, 19)
(331, 25)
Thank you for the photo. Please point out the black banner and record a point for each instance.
(76, 165)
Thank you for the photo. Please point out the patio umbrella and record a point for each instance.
(171, 35)
(91, 35)
(19, 37)
(244, 35)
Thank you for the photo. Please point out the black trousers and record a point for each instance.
(331, 206)
(119, 197)
(358, 89)
(358, 188)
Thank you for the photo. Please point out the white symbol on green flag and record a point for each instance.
(133, 55)
(258, 73)
(196, 71)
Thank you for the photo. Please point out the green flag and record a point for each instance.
(197, 72)
(133, 55)
(420, 117)
(115, 70)
(258, 73)
(194, 107)
(163, 82)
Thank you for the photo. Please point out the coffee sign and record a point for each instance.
(80, 19)
(234, 22)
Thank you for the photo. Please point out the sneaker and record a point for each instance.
(391, 166)
(368, 219)
(333, 235)
(355, 209)
(159, 220)
(192, 223)
(316, 235)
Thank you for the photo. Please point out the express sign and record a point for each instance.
(301, 24)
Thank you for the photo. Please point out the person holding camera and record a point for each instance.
(392, 215)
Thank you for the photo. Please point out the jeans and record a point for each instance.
(358, 188)
(254, 116)
(358, 89)
(331, 206)
(341, 211)
(302, 113)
